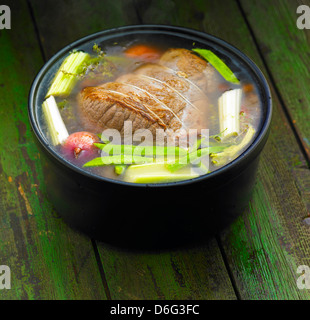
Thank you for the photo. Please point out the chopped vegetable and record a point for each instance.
(189, 158)
(218, 64)
(56, 127)
(198, 143)
(118, 159)
(62, 104)
(149, 151)
(67, 74)
(184, 161)
(120, 169)
(156, 173)
(124, 156)
(91, 63)
(79, 147)
(229, 112)
(98, 50)
(144, 52)
(230, 152)
(192, 157)
(249, 87)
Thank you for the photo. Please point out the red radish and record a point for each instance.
(79, 147)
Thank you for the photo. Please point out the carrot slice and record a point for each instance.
(144, 52)
(248, 87)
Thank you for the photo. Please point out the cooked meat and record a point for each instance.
(186, 64)
(169, 95)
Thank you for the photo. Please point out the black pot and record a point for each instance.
(154, 215)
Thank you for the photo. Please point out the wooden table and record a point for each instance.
(255, 258)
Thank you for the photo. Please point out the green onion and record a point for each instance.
(218, 64)
(67, 75)
(56, 127)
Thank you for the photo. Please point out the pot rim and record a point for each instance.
(173, 30)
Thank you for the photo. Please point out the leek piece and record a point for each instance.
(67, 75)
(156, 173)
(230, 152)
(149, 151)
(229, 112)
(118, 159)
(218, 64)
(56, 127)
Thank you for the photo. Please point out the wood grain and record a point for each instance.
(47, 259)
(197, 274)
(267, 243)
(286, 51)
(62, 22)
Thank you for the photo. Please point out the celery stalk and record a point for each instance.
(156, 173)
(229, 111)
(67, 75)
(56, 127)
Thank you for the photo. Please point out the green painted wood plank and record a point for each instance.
(72, 19)
(186, 274)
(285, 156)
(47, 259)
(287, 243)
(286, 50)
(197, 274)
(267, 243)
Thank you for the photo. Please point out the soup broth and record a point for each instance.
(149, 111)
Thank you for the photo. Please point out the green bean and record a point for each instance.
(140, 150)
(119, 159)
